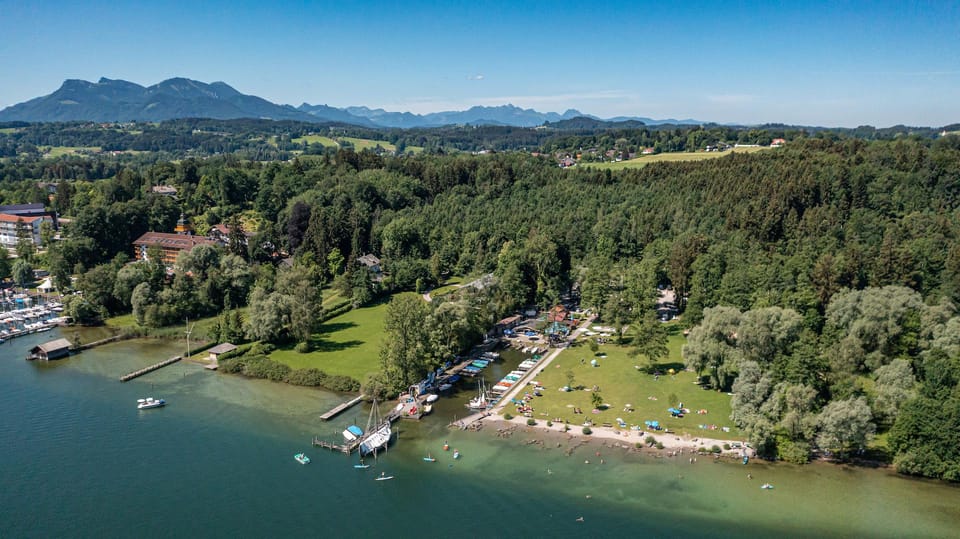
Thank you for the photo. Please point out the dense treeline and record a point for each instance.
(818, 280)
(266, 140)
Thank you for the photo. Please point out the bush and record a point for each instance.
(239, 351)
(549, 423)
(659, 445)
(715, 449)
(339, 382)
(726, 447)
(638, 445)
(650, 440)
(261, 367)
(303, 347)
(794, 452)
(261, 349)
(308, 377)
(508, 416)
(587, 431)
(531, 422)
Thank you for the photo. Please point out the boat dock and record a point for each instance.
(341, 407)
(151, 368)
(346, 448)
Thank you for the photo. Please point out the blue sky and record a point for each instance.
(832, 63)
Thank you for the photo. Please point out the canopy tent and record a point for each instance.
(46, 286)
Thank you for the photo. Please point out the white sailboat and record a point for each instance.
(480, 402)
(378, 432)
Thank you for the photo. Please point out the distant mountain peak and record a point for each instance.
(179, 97)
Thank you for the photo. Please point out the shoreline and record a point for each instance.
(673, 443)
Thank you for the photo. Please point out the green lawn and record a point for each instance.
(201, 327)
(621, 383)
(348, 344)
(9, 130)
(645, 160)
(331, 297)
(449, 285)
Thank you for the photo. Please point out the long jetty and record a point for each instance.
(101, 341)
(151, 368)
(341, 407)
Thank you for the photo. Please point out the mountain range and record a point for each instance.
(110, 100)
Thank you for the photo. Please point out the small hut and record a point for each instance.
(219, 350)
(51, 350)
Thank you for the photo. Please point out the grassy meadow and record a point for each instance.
(645, 160)
(310, 139)
(621, 383)
(58, 151)
(348, 344)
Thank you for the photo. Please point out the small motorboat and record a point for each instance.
(301, 458)
(766, 486)
(432, 397)
(150, 402)
(456, 453)
(445, 387)
(427, 409)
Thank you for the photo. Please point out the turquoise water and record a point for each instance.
(79, 460)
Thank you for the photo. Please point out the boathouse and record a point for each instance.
(51, 350)
(219, 350)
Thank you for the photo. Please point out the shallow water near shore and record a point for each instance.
(80, 460)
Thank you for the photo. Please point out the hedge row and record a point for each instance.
(260, 366)
(336, 310)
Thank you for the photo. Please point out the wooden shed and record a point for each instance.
(51, 350)
(219, 350)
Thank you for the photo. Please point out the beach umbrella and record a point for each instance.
(594, 362)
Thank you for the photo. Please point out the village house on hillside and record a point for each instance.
(220, 233)
(164, 190)
(372, 263)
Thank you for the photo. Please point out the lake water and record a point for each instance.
(77, 459)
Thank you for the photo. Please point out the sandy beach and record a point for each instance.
(671, 441)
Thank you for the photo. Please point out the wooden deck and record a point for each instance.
(341, 407)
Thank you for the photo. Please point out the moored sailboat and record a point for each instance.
(480, 402)
(378, 432)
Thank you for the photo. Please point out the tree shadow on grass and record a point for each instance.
(336, 326)
(323, 345)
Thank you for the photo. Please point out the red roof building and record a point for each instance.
(171, 244)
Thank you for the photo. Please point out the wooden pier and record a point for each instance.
(341, 407)
(151, 368)
(346, 449)
(102, 341)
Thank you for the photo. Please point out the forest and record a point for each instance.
(819, 282)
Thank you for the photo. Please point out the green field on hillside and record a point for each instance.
(327, 142)
(57, 151)
(670, 157)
